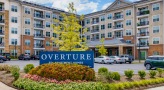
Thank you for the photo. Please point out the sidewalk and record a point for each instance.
(5, 87)
(158, 88)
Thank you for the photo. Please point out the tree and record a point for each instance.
(102, 50)
(68, 31)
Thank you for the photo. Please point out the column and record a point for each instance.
(120, 50)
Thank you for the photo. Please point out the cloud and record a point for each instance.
(106, 5)
(80, 5)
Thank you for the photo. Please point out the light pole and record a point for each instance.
(139, 51)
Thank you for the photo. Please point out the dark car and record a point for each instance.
(24, 57)
(127, 58)
(154, 62)
(34, 57)
(7, 56)
(2, 59)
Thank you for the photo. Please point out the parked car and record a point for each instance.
(34, 57)
(117, 59)
(2, 59)
(7, 56)
(127, 58)
(103, 60)
(154, 62)
(24, 57)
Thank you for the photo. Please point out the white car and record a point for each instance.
(103, 60)
(117, 59)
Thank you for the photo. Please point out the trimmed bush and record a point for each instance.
(28, 67)
(15, 71)
(142, 74)
(152, 73)
(62, 72)
(160, 72)
(115, 76)
(102, 70)
(129, 73)
(5, 68)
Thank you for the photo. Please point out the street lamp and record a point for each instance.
(139, 50)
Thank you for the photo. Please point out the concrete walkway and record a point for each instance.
(5, 87)
(157, 88)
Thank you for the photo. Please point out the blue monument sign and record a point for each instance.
(78, 57)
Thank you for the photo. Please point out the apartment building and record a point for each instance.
(128, 28)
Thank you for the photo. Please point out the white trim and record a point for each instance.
(154, 4)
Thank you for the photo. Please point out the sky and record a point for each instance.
(82, 6)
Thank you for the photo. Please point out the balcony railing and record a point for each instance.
(143, 34)
(143, 13)
(95, 22)
(94, 30)
(143, 44)
(1, 9)
(38, 26)
(143, 23)
(118, 17)
(2, 21)
(118, 36)
(2, 32)
(118, 27)
(95, 39)
(38, 46)
(38, 16)
(2, 44)
(38, 35)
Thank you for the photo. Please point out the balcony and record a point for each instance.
(39, 36)
(95, 31)
(119, 17)
(142, 34)
(118, 36)
(38, 26)
(143, 13)
(2, 9)
(95, 22)
(2, 22)
(144, 23)
(39, 16)
(39, 46)
(2, 45)
(143, 45)
(95, 39)
(118, 27)
(2, 33)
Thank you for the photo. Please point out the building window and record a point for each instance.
(27, 42)
(109, 16)
(128, 22)
(13, 41)
(47, 43)
(103, 35)
(27, 31)
(88, 29)
(54, 35)
(156, 29)
(54, 16)
(27, 10)
(128, 12)
(48, 15)
(48, 24)
(27, 52)
(27, 21)
(14, 30)
(14, 8)
(109, 34)
(13, 52)
(87, 21)
(156, 53)
(97, 36)
(60, 18)
(47, 34)
(128, 32)
(128, 41)
(109, 25)
(102, 18)
(155, 18)
(156, 6)
(88, 37)
(14, 20)
(155, 40)
(102, 27)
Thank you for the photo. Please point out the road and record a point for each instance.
(114, 67)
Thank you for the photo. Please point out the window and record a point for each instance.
(47, 43)
(87, 21)
(14, 52)
(118, 2)
(27, 52)
(102, 18)
(14, 8)
(109, 34)
(128, 41)
(128, 12)
(156, 6)
(88, 29)
(14, 20)
(156, 29)
(48, 24)
(155, 40)
(128, 22)
(102, 27)
(97, 36)
(128, 32)
(27, 21)
(60, 18)
(14, 41)
(48, 34)
(88, 37)
(156, 53)
(54, 35)
(155, 18)
(27, 31)
(48, 15)
(103, 35)
(109, 16)
(54, 16)
(27, 10)
(14, 30)
(109, 25)
(27, 42)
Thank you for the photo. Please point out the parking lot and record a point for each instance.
(111, 67)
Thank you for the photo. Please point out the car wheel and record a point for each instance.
(102, 62)
(115, 62)
(148, 66)
(130, 62)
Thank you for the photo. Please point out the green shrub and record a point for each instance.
(5, 68)
(115, 76)
(28, 67)
(15, 71)
(129, 73)
(62, 72)
(142, 74)
(152, 73)
(160, 72)
(102, 70)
